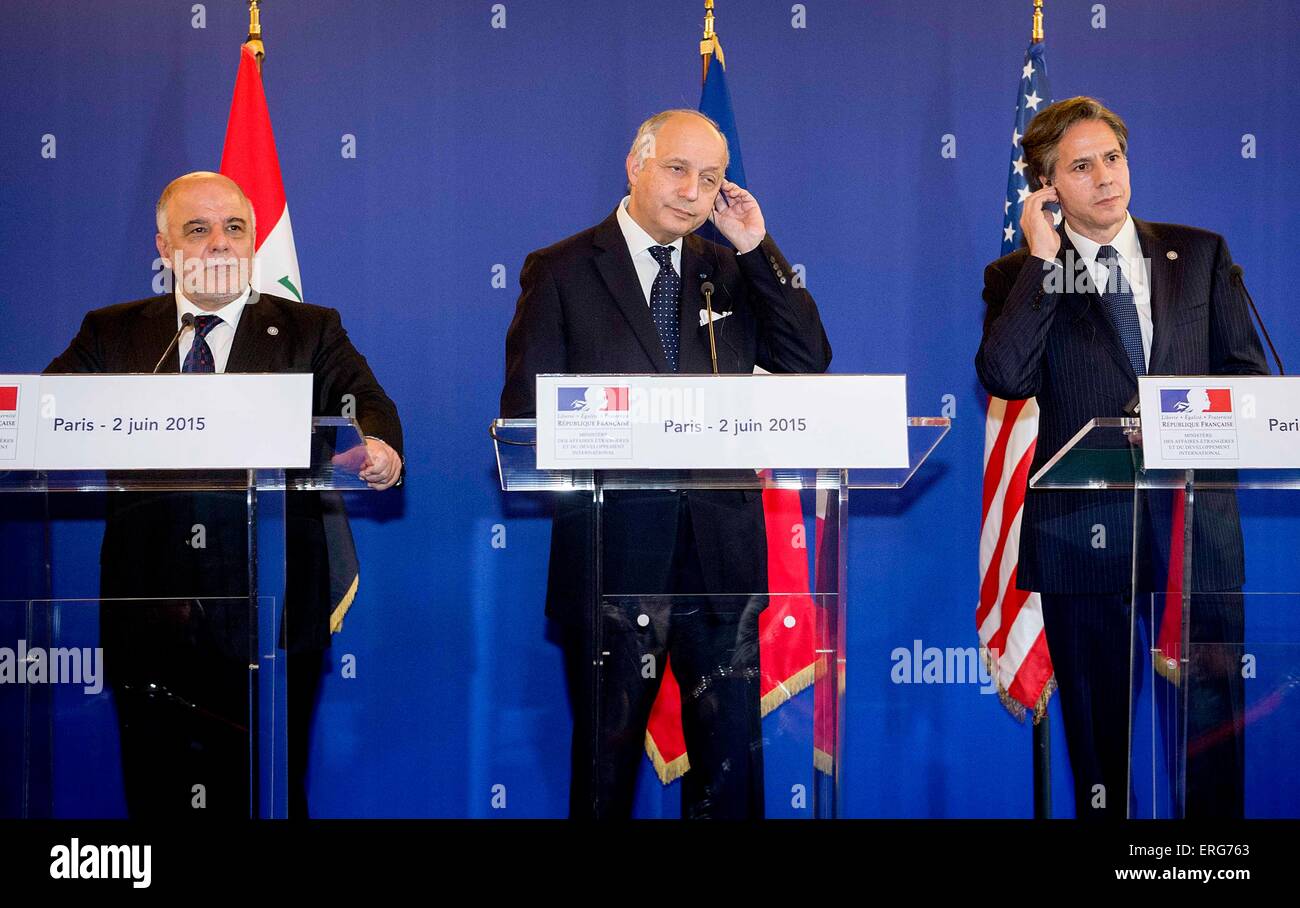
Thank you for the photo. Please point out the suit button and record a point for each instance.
(783, 280)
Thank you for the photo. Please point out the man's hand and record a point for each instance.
(1039, 226)
(382, 466)
(737, 216)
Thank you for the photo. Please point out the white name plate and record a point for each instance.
(674, 422)
(1230, 421)
(155, 422)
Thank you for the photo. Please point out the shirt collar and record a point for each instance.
(229, 313)
(637, 239)
(1125, 243)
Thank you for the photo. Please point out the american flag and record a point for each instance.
(1010, 621)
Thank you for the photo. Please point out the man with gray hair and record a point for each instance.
(179, 670)
(625, 297)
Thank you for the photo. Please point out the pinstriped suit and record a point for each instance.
(1060, 346)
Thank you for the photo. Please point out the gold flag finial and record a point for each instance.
(1038, 21)
(709, 46)
(254, 40)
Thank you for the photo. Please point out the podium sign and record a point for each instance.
(670, 422)
(151, 422)
(1220, 421)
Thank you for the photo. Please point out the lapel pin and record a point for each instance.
(273, 331)
(1171, 255)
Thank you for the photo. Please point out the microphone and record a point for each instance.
(187, 321)
(707, 289)
(1237, 273)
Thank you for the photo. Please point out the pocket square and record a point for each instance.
(717, 316)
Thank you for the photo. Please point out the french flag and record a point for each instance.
(1195, 400)
(593, 399)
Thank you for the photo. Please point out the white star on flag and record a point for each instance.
(1057, 217)
(1019, 165)
(1024, 193)
(1015, 138)
(1009, 233)
(1032, 100)
(1006, 207)
(1028, 71)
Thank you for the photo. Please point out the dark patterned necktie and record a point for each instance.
(665, 293)
(199, 359)
(1117, 296)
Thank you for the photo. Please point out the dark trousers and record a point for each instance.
(712, 644)
(1089, 639)
(185, 738)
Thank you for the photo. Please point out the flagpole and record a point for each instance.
(1042, 743)
(709, 43)
(254, 40)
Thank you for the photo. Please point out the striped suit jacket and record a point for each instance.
(1057, 344)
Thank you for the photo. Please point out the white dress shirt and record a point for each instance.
(221, 336)
(639, 243)
(1131, 262)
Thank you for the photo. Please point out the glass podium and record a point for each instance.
(729, 677)
(1214, 714)
(143, 675)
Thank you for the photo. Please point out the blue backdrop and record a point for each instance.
(476, 144)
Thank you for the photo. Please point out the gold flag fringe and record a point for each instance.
(790, 687)
(336, 617)
(1166, 666)
(1012, 705)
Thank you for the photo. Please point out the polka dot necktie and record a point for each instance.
(1117, 296)
(199, 359)
(665, 293)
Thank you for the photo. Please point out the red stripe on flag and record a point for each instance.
(9, 398)
(993, 471)
(249, 156)
(1034, 673)
(1012, 602)
(1014, 501)
(1220, 400)
(616, 398)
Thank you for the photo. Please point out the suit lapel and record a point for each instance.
(1164, 283)
(159, 327)
(1089, 303)
(253, 349)
(614, 263)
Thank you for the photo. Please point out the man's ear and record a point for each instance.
(633, 167)
(164, 249)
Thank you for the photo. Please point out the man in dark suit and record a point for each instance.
(624, 297)
(179, 667)
(1073, 318)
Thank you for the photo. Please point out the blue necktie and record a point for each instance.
(1117, 297)
(665, 293)
(199, 359)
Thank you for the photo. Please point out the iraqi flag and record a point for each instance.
(250, 160)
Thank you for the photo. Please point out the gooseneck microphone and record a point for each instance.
(707, 289)
(187, 321)
(1236, 272)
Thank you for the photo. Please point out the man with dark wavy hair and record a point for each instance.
(1073, 318)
